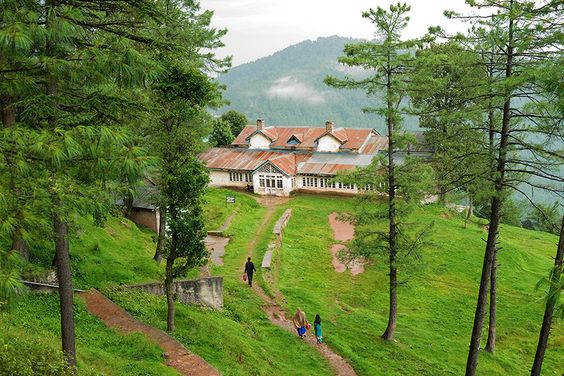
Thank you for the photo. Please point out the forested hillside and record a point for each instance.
(287, 88)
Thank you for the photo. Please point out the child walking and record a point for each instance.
(317, 326)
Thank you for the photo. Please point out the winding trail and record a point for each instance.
(176, 355)
(276, 314)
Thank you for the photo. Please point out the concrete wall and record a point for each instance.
(328, 143)
(284, 191)
(146, 217)
(221, 179)
(204, 291)
(258, 141)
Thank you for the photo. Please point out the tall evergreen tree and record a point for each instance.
(388, 60)
(555, 288)
(525, 38)
(181, 92)
(77, 69)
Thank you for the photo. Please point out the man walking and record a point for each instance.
(249, 269)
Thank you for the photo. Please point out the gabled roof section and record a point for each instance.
(285, 163)
(295, 139)
(351, 139)
(271, 134)
(339, 136)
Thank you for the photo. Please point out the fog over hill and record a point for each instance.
(287, 88)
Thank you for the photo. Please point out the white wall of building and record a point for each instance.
(269, 184)
(225, 179)
(328, 143)
(309, 183)
(258, 141)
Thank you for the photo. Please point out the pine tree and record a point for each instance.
(181, 92)
(388, 60)
(522, 38)
(77, 71)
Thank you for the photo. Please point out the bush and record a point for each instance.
(23, 357)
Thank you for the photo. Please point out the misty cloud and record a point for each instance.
(288, 87)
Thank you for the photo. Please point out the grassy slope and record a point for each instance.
(238, 340)
(101, 351)
(217, 210)
(119, 253)
(436, 306)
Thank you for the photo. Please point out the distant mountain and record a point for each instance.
(287, 88)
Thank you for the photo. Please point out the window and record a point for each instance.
(279, 183)
(236, 176)
(261, 182)
(293, 141)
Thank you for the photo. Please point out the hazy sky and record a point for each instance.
(259, 28)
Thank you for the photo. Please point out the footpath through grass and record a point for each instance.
(239, 340)
(435, 306)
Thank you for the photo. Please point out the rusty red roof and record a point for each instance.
(351, 139)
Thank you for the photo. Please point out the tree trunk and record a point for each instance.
(162, 233)
(550, 303)
(19, 244)
(8, 116)
(59, 225)
(472, 361)
(495, 214)
(128, 205)
(490, 344)
(65, 284)
(442, 194)
(169, 295)
(392, 316)
(469, 211)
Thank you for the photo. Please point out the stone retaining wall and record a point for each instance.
(204, 291)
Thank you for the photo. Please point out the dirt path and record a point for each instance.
(228, 221)
(176, 355)
(276, 314)
(343, 232)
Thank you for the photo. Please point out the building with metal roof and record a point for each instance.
(277, 160)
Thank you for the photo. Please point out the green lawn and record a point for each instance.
(238, 340)
(217, 210)
(33, 328)
(436, 305)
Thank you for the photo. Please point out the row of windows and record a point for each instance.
(240, 176)
(275, 181)
(270, 181)
(327, 183)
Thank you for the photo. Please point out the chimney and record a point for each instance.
(260, 124)
(329, 126)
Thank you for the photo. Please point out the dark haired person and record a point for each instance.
(249, 269)
(317, 326)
